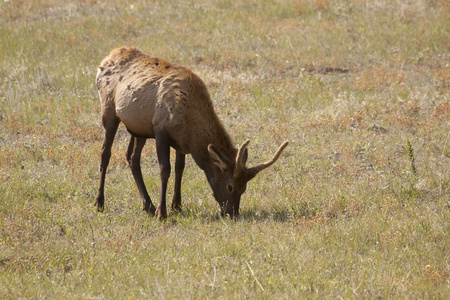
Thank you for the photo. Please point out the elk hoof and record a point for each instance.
(99, 203)
(151, 210)
(176, 208)
(161, 214)
(161, 217)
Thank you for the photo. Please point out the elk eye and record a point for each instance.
(230, 187)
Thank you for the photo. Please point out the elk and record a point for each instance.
(169, 103)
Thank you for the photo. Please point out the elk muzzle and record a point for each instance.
(230, 208)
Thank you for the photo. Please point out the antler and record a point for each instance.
(257, 169)
(240, 163)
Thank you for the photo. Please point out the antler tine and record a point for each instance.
(239, 164)
(255, 170)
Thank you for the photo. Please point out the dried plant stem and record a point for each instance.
(254, 276)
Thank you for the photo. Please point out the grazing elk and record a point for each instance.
(155, 99)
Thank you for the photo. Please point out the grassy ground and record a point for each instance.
(358, 205)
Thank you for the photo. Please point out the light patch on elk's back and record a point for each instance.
(146, 91)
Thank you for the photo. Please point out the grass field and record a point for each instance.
(358, 205)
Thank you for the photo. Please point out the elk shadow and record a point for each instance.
(278, 215)
(281, 215)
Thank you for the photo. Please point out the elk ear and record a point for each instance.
(217, 157)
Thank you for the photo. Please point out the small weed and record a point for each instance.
(412, 159)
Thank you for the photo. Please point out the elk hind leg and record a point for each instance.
(134, 161)
(110, 128)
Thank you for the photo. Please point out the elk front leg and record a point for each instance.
(179, 168)
(110, 127)
(134, 161)
(163, 152)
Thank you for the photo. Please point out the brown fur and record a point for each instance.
(156, 99)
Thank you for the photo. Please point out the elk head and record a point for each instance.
(229, 180)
